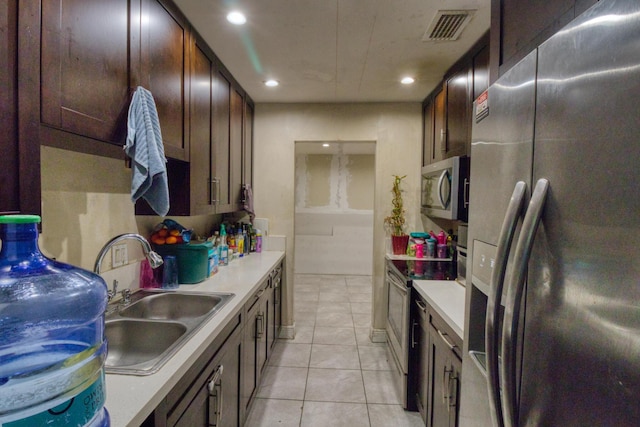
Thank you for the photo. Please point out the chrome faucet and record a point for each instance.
(155, 260)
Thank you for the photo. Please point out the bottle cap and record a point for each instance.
(20, 219)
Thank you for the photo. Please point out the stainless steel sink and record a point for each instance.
(171, 306)
(145, 332)
(132, 342)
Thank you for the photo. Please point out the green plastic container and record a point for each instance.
(193, 260)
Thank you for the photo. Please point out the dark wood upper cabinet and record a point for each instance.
(164, 41)
(427, 131)
(236, 147)
(447, 111)
(518, 27)
(85, 74)
(247, 146)
(202, 186)
(458, 137)
(10, 172)
(222, 139)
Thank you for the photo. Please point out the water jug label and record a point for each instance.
(77, 411)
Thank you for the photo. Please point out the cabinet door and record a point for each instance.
(420, 348)
(221, 139)
(427, 131)
(85, 67)
(439, 356)
(249, 357)
(444, 378)
(439, 143)
(458, 109)
(236, 148)
(247, 145)
(10, 172)
(201, 167)
(164, 41)
(216, 403)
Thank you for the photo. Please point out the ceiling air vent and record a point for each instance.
(447, 25)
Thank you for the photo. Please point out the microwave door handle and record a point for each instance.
(515, 292)
(444, 175)
(495, 295)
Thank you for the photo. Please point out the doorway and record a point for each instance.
(334, 200)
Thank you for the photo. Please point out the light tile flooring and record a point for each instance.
(331, 374)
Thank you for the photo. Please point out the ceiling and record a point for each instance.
(334, 50)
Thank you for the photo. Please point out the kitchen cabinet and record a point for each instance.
(420, 352)
(447, 111)
(255, 343)
(247, 143)
(445, 367)
(518, 27)
(12, 173)
(164, 70)
(276, 306)
(209, 393)
(211, 182)
(85, 77)
(435, 365)
(428, 112)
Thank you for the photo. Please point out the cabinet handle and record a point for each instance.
(443, 140)
(444, 338)
(215, 397)
(421, 306)
(446, 380)
(413, 333)
(214, 188)
(259, 329)
(466, 192)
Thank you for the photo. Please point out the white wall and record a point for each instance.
(396, 129)
(334, 212)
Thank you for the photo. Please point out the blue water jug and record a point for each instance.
(52, 344)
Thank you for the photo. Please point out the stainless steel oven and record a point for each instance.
(399, 277)
(399, 300)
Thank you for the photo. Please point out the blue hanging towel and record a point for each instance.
(145, 148)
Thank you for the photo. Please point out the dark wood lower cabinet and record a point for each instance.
(436, 365)
(255, 344)
(220, 386)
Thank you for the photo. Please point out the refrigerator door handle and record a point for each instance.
(495, 295)
(514, 299)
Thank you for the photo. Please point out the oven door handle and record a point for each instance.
(401, 288)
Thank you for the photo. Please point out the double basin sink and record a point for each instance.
(145, 332)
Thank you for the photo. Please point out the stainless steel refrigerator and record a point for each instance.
(552, 334)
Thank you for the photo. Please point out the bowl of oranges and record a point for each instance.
(170, 232)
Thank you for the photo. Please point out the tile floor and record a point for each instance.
(331, 374)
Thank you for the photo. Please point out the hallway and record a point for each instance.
(331, 374)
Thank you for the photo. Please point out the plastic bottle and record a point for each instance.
(224, 249)
(258, 241)
(52, 344)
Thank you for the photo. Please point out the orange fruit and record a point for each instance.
(163, 232)
(158, 240)
(171, 240)
(174, 232)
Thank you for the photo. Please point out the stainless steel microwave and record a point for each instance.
(445, 189)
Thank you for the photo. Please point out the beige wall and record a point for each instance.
(397, 130)
(86, 202)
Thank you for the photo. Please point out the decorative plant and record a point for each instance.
(396, 220)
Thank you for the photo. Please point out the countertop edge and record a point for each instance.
(447, 298)
(130, 398)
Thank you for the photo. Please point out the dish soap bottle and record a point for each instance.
(52, 343)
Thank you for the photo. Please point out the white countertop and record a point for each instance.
(446, 297)
(131, 398)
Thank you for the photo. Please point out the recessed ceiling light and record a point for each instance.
(407, 80)
(271, 83)
(236, 18)
(325, 145)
